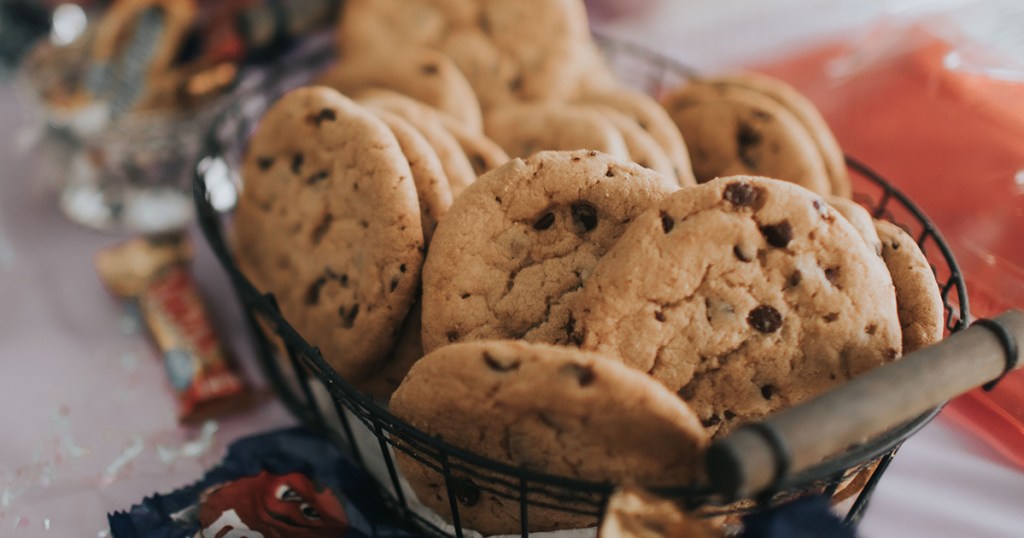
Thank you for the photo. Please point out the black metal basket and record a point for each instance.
(323, 400)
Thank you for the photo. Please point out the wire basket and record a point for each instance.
(365, 429)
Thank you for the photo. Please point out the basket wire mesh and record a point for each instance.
(326, 402)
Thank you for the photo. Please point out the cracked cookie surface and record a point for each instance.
(329, 222)
(513, 251)
(744, 294)
(549, 409)
(917, 293)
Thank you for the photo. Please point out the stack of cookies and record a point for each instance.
(591, 307)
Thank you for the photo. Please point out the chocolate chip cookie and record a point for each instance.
(809, 116)
(433, 126)
(651, 117)
(745, 295)
(513, 251)
(509, 50)
(642, 147)
(917, 294)
(329, 222)
(731, 130)
(423, 74)
(523, 129)
(859, 218)
(432, 187)
(548, 409)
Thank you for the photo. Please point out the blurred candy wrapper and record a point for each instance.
(124, 97)
(289, 483)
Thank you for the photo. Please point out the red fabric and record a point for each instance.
(955, 144)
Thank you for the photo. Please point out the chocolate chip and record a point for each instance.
(747, 141)
(313, 292)
(348, 317)
(452, 336)
(316, 178)
(831, 317)
(497, 199)
(479, 164)
(265, 163)
(765, 319)
(394, 284)
(465, 491)
(795, 278)
(364, 224)
(832, 274)
(402, 269)
(321, 228)
(778, 235)
(667, 222)
(577, 159)
(740, 255)
(430, 69)
(871, 329)
(570, 330)
(610, 172)
(713, 421)
(895, 245)
(767, 392)
(584, 374)
(325, 115)
(744, 195)
(498, 366)
(584, 216)
(592, 153)
(660, 316)
(465, 296)
(544, 222)
(297, 161)
(355, 187)
(729, 415)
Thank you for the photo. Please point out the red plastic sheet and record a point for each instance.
(954, 142)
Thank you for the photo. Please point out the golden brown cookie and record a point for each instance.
(329, 222)
(809, 116)
(509, 50)
(481, 151)
(423, 74)
(642, 147)
(513, 251)
(548, 409)
(655, 120)
(731, 130)
(859, 218)
(525, 128)
(917, 293)
(432, 187)
(433, 126)
(745, 295)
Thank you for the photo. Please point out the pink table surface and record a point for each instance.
(88, 422)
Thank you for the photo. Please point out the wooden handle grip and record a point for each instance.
(748, 461)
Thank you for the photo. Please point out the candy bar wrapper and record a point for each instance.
(153, 274)
(288, 483)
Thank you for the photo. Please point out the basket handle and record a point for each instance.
(758, 456)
